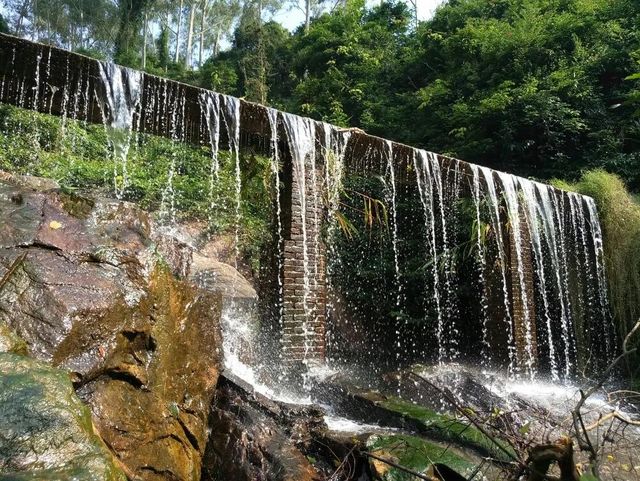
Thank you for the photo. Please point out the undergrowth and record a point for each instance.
(620, 218)
(78, 157)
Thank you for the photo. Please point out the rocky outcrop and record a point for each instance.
(45, 430)
(254, 438)
(92, 289)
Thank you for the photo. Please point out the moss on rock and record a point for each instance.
(413, 453)
(45, 431)
(446, 427)
(11, 342)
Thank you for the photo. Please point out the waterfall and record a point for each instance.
(535, 211)
(481, 262)
(602, 299)
(123, 93)
(424, 178)
(210, 107)
(391, 197)
(335, 148)
(275, 171)
(231, 116)
(527, 287)
(496, 226)
(302, 147)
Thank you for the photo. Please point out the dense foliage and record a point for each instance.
(77, 156)
(536, 87)
(620, 217)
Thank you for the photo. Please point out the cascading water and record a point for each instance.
(513, 204)
(496, 225)
(481, 264)
(272, 115)
(210, 107)
(391, 196)
(174, 115)
(302, 146)
(533, 246)
(231, 117)
(425, 182)
(123, 93)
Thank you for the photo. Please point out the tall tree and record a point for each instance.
(4, 26)
(131, 16)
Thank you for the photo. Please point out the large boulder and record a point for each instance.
(255, 438)
(45, 430)
(87, 285)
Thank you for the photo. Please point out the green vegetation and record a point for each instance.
(413, 453)
(535, 87)
(78, 157)
(447, 427)
(620, 218)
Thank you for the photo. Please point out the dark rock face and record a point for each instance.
(87, 287)
(255, 439)
(45, 430)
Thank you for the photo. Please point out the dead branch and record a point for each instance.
(343, 464)
(612, 415)
(581, 431)
(398, 466)
(542, 456)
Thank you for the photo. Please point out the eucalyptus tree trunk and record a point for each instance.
(176, 57)
(144, 40)
(192, 18)
(202, 24)
(307, 15)
(216, 45)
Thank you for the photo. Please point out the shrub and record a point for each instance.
(620, 219)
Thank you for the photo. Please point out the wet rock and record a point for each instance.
(239, 304)
(45, 430)
(217, 276)
(84, 284)
(151, 394)
(466, 386)
(11, 342)
(370, 406)
(177, 253)
(254, 438)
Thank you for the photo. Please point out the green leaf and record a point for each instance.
(588, 477)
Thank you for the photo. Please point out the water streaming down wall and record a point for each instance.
(123, 92)
(537, 274)
(538, 254)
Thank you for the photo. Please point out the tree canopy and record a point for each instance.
(543, 88)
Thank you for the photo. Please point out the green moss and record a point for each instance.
(414, 453)
(11, 342)
(447, 427)
(51, 433)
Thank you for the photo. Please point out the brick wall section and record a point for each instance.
(518, 305)
(303, 336)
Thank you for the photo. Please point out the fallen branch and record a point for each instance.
(398, 466)
(612, 415)
(473, 421)
(581, 430)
